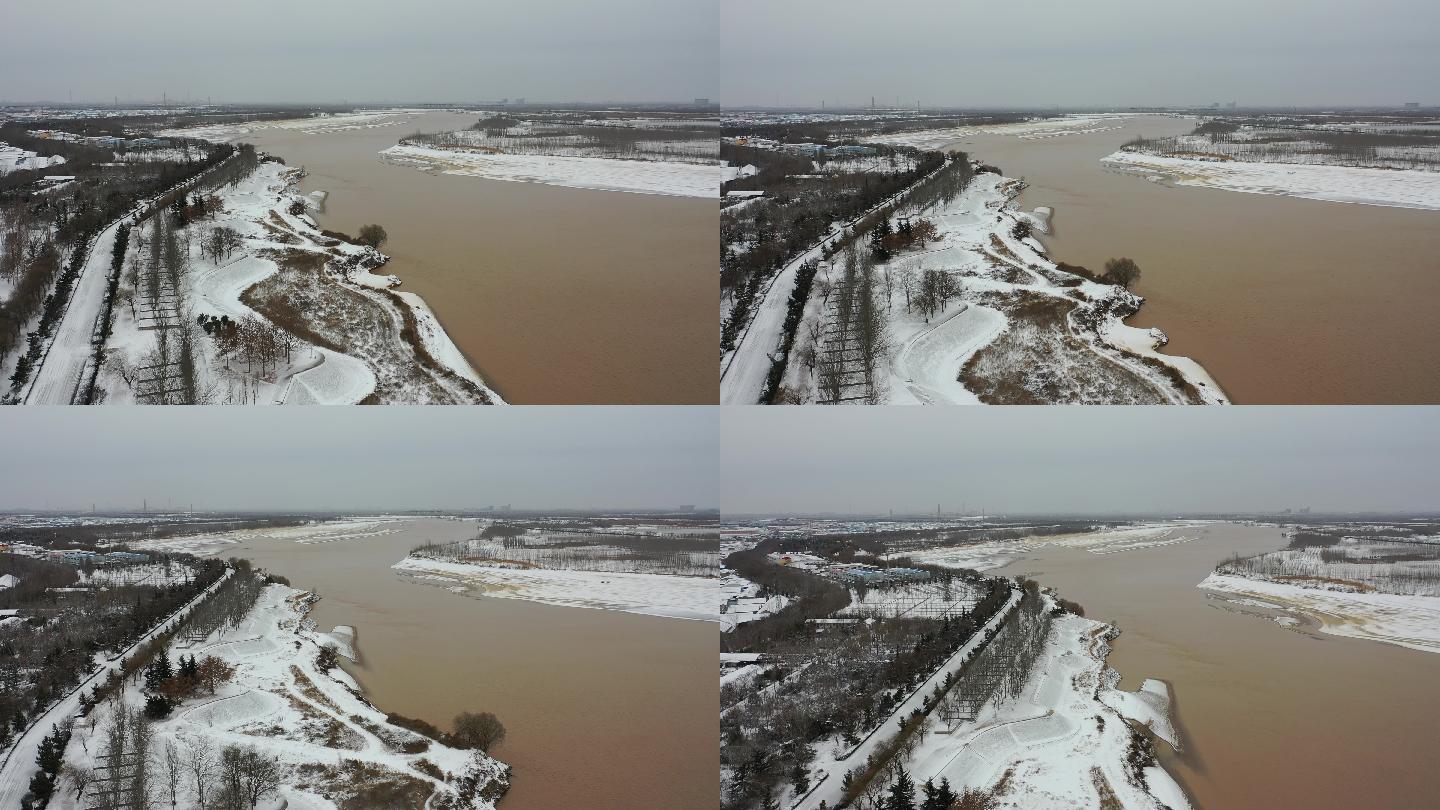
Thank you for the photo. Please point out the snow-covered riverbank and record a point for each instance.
(1387, 187)
(332, 745)
(351, 337)
(605, 174)
(1404, 620)
(1018, 328)
(650, 594)
(1065, 742)
(999, 553)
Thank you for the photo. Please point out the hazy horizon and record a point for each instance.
(1092, 460)
(364, 50)
(1111, 53)
(358, 459)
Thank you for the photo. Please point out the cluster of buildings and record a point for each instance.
(75, 556)
(101, 141)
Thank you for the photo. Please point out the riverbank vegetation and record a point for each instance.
(675, 137)
(1380, 142)
(824, 681)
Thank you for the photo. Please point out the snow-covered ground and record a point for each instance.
(209, 543)
(1020, 330)
(1063, 743)
(13, 158)
(607, 174)
(375, 362)
(741, 601)
(1077, 124)
(312, 125)
(18, 764)
(651, 594)
(1407, 621)
(996, 554)
(1387, 187)
(281, 704)
(158, 574)
(744, 372)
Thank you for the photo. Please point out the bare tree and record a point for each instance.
(171, 769)
(202, 766)
(480, 731)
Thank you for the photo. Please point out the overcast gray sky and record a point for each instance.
(358, 50)
(1099, 52)
(388, 457)
(1090, 459)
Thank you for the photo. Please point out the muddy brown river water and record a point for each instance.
(1271, 717)
(556, 295)
(1283, 300)
(604, 710)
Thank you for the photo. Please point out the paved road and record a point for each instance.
(743, 377)
(18, 766)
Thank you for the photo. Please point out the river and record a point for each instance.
(1270, 717)
(556, 295)
(603, 710)
(1283, 300)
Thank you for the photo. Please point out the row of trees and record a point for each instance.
(680, 556)
(135, 771)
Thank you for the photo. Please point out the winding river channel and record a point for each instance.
(601, 708)
(1283, 300)
(556, 295)
(1270, 716)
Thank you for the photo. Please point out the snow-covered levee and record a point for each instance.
(943, 295)
(239, 298)
(280, 709)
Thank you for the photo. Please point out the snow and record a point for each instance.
(830, 770)
(1096, 358)
(741, 602)
(728, 172)
(606, 174)
(1398, 188)
(313, 125)
(1078, 124)
(19, 762)
(744, 373)
(257, 208)
(1049, 740)
(13, 158)
(9, 581)
(649, 594)
(158, 574)
(281, 704)
(1406, 621)
(332, 531)
(999, 553)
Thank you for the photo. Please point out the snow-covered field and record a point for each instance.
(1407, 621)
(607, 174)
(1078, 124)
(13, 158)
(743, 603)
(313, 125)
(1063, 743)
(1387, 187)
(650, 594)
(997, 554)
(330, 741)
(324, 532)
(158, 574)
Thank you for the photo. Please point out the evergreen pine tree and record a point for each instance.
(902, 793)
